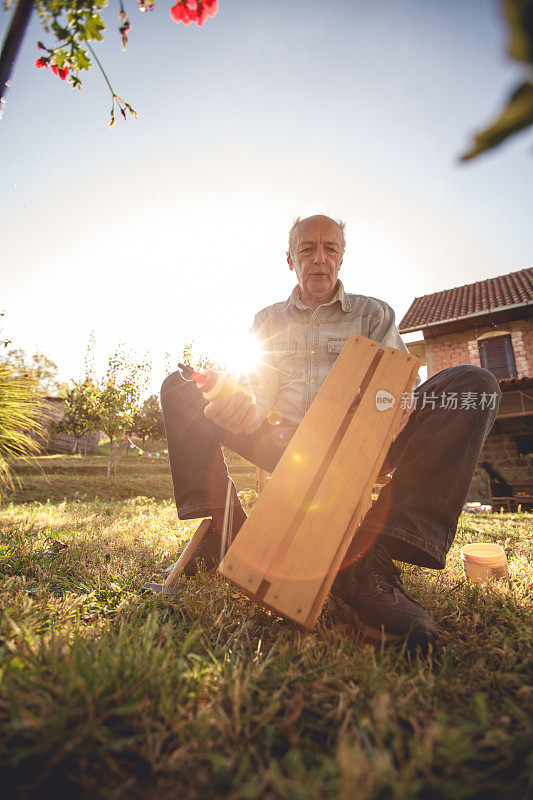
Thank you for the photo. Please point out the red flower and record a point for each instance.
(62, 73)
(201, 14)
(41, 62)
(180, 13)
(188, 11)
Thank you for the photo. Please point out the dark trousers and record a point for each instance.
(433, 460)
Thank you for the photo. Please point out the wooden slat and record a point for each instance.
(263, 533)
(299, 574)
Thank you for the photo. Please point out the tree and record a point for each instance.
(81, 410)
(38, 370)
(118, 396)
(148, 422)
(195, 359)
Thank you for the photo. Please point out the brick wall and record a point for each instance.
(500, 449)
(448, 354)
(527, 338)
(462, 348)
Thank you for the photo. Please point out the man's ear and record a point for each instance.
(289, 260)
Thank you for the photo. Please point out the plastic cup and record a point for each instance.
(484, 562)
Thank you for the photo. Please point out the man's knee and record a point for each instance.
(171, 381)
(468, 378)
(476, 378)
(173, 389)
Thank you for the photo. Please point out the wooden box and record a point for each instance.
(290, 548)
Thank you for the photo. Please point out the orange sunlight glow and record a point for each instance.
(239, 355)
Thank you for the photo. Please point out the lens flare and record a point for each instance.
(238, 354)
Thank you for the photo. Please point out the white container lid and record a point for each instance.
(483, 552)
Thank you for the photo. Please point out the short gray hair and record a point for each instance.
(296, 222)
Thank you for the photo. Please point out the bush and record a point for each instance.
(20, 417)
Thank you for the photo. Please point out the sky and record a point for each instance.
(173, 227)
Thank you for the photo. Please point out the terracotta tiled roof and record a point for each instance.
(465, 301)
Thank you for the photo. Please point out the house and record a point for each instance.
(490, 324)
(54, 442)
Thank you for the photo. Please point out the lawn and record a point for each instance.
(106, 692)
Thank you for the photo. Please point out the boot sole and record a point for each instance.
(376, 636)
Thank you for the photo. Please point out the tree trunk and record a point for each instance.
(86, 443)
(111, 453)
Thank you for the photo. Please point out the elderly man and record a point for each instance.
(434, 453)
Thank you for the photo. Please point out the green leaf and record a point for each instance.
(59, 58)
(82, 60)
(93, 26)
(516, 116)
(60, 32)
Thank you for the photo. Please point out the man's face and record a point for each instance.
(317, 256)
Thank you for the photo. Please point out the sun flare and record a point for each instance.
(238, 355)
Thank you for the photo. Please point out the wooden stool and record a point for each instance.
(291, 546)
(261, 478)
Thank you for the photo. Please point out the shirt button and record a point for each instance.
(312, 352)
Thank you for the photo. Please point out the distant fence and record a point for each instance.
(54, 442)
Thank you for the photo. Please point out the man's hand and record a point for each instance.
(404, 419)
(235, 413)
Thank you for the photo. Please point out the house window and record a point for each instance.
(497, 356)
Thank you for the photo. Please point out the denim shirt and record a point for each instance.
(300, 345)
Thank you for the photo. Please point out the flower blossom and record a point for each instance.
(62, 72)
(187, 11)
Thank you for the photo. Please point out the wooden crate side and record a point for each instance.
(298, 575)
(361, 543)
(263, 532)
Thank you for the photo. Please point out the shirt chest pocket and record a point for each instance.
(334, 348)
(285, 358)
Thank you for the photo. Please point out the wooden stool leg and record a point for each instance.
(187, 554)
(177, 568)
(261, 478)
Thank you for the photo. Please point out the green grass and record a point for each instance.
(59, 477)
(109, 693)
